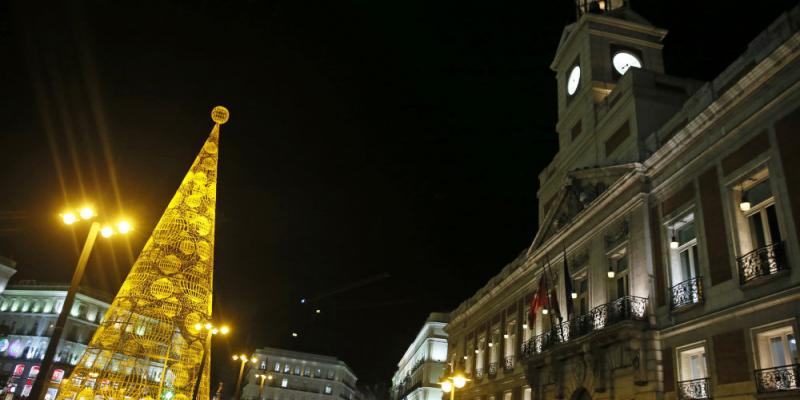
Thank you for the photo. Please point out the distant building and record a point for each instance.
(675, 205)
(420, 369)
(28, 311)
(294, 375)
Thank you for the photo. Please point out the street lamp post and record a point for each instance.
(211, 330)
(451, 383)
(243, 359)
(261, 385)
(70, 218)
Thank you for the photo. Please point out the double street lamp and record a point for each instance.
(70, 218)
(243, 359)
(210, 330)
(261, 384)
(451, 383)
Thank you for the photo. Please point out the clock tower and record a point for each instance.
(611, 90)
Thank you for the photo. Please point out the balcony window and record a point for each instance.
(297, 370)
(685, 283)
(760, 239)
(693, 383)
(479, 356)
(618, 285)
(627, 308)
(494, 346)
(285, 382)
(510, 338)
(286, 368)
(277, 367)
(777, 359)
(581, 287)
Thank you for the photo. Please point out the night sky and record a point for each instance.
(381, 158)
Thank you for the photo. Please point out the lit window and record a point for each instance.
(761, 248)
(762, 217)
(683, 246)
(307, 371)
(328, 389)
(526, 393)
(684, 262)
(285, 382)
(286, 368)
(693, 363)
(495, 344)
(330, 374)
(277, 367)
(777, 347)
(510, 337)
(581, 288)
(618, 285)
(318, 373)
(297, 370)
(507, 396)
(480, 354)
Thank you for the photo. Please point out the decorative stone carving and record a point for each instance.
(617, 236)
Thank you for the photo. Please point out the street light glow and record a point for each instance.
(235, 358)
(459, 381)
(124, 227)
(214, 331)
(107, 231)
(86, 213)
(225, 329)
(198, 326)
(208, 326)
(447, 386)
(69, 218)
(254, 360)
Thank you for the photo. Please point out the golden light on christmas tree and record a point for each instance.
(150, 343)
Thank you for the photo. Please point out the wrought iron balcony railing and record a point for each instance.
(478, 374)
(694, 389)
(778, 379)
(492, 369)
(509, 364)
(687, 293)
(764, 261)
(627, 308)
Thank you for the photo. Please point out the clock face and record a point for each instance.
(624, 60)
(573, 79)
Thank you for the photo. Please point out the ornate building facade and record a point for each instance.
(27, 312)
(675, 207)
(419, 371)
(294, 375)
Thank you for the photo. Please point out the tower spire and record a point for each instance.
(147, 345)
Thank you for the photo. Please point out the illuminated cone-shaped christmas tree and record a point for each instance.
(148, 346)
